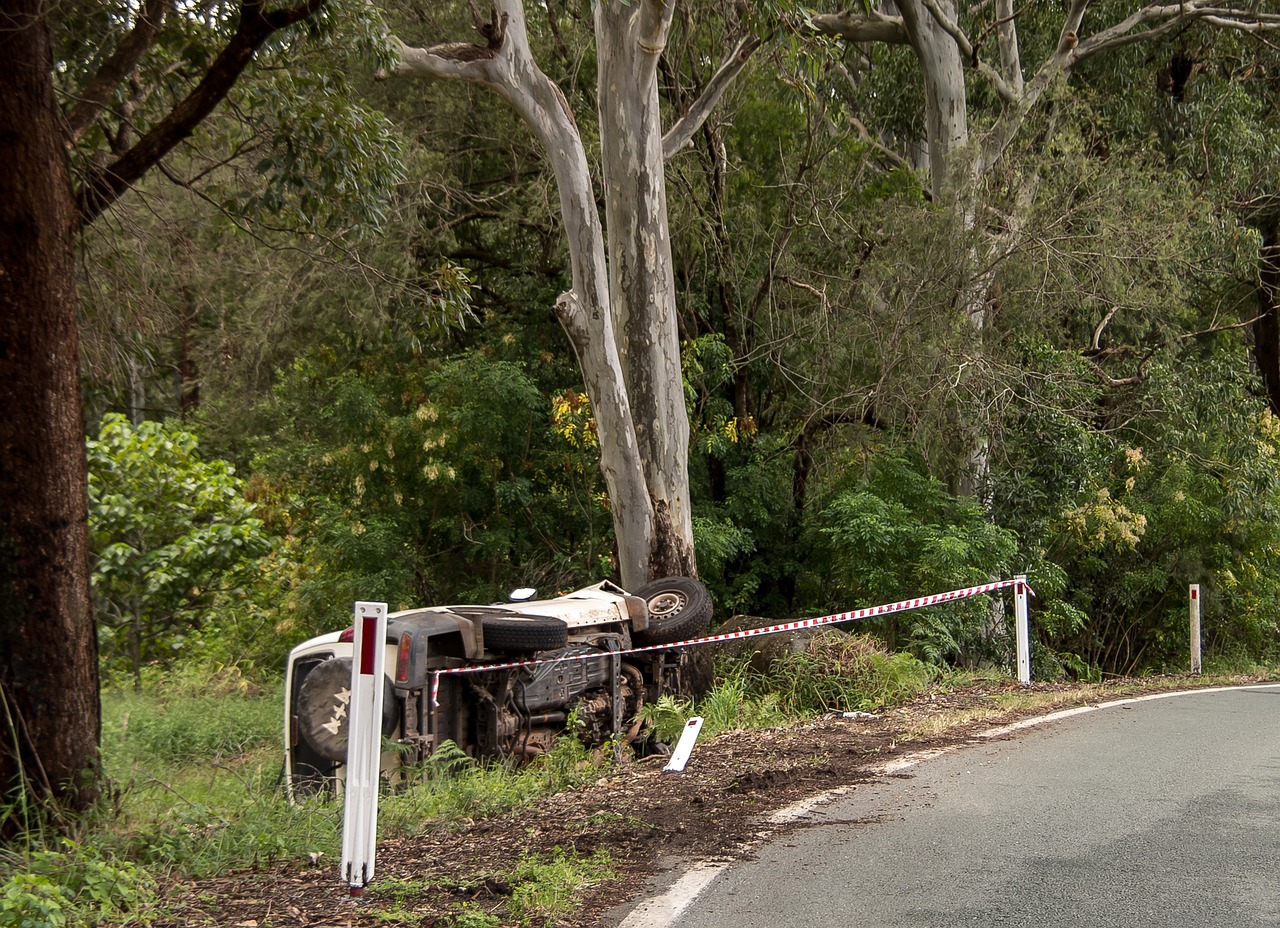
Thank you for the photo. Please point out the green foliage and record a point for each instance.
(331, 160)
(419, 480)
(835, 671)
(890, 532)
(844, 672)
(729, 706)
(412, 416)
(172, 536)
(329, 157)
(1197, 502)
(547, 886)
(198, 714)
(470, 916)
(451, 785)
(197, 777)
(69, 886)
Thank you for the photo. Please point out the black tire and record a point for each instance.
(514, 631)
(679, 608)
(324, 702)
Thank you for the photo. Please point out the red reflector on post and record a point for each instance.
(369, 641)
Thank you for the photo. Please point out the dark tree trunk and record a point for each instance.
(49, 708)
(1266, 329)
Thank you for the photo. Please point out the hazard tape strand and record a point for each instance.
(868, 612)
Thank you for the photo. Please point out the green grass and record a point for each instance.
(543, 888)
(451, 786)
(546, 886)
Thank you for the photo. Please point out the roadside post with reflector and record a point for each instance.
(1023, 633)
(684, 747)
(364, 746)
(1195, 628)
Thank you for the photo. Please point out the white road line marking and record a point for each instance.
(663, 910)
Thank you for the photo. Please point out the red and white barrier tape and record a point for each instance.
(870, 612)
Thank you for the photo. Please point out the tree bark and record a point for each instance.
(49, 704)
(946, 111)
(630, 37)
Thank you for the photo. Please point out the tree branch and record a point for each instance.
(1010, 123)
(655, 20)
(1007, 38)
(103, 186)
(861, 27)
(440, 63)
(682, 131)
(93, 99)
(1170, 17)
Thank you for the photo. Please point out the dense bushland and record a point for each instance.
(408, 419)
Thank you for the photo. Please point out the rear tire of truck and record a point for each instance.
(679, 608)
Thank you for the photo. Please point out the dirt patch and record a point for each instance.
(642, 818)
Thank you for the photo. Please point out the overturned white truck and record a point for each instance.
(578, 641)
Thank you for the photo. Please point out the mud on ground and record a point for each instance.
(646, 821)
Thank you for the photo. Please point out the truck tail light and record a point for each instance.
(402, 658)
(349, 635)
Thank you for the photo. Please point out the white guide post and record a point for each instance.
(684, 747)
(1021, 629)
(364, 746)
(1195, 628)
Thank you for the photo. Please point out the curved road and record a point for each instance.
(1159, 812)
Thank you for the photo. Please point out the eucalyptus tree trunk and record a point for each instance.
(630, 38)
(620, 313)
(946, 113)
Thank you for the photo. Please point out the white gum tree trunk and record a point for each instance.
(620, 314)
(946, 114)
(630, 38)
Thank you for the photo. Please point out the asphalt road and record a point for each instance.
(1158, 813)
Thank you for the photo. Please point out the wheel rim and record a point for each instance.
(667, 603)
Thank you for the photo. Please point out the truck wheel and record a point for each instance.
(324, 705)
(679, 608)
(516, 632)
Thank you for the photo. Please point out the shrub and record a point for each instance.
(889, 532)
(71, 886)
(170, 532)
(844, 673)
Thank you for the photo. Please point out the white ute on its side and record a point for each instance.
(578, 640)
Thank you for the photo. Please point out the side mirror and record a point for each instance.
(523, 594)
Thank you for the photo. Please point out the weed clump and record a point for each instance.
(838, 672)
(833, 671)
